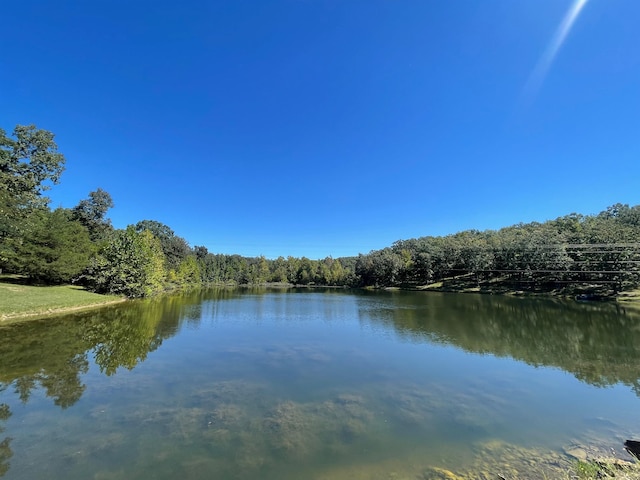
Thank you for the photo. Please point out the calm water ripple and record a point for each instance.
(257, 383)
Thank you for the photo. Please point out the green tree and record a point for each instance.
(476, 255)
(91, 213)
(306, 271)
(29, 163)
(379, 268)
(188, 271)
(159, 230)
(338, 274)
(175, 248)
(293, 265)
(279, 273)
(263, 270)
(56, 249)
(200, 252)
(130, 264)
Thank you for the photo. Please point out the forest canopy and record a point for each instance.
(80, 245)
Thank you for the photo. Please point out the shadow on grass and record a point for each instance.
(16, 279)
(504, 285)
(13, 278)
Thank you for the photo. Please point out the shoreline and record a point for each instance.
(629, 298)
(32, 315)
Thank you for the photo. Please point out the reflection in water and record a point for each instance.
(288, 385)
(597, 342)
(52, 353)
(5, 443)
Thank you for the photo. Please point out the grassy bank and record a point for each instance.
(502, 286)
(631, 297)
(18, 300)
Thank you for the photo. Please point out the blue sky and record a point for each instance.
(329, 127)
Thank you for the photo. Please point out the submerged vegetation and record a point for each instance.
(234, 417)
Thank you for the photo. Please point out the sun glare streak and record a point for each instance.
(541, 69)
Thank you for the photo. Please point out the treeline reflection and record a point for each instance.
(53, 353)
(596, 342)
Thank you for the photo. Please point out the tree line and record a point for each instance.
(80, 245)
(600, 251)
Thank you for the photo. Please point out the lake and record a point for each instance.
(317, 384)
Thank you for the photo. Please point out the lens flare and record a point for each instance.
(544, 64)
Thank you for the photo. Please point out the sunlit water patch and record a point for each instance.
(243, 384)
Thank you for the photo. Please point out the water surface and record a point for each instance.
(243, 384)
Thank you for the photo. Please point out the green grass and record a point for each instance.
(630, 296)
(587, 470)
(18, 300)
(606, 469)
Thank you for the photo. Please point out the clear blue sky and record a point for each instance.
(329, 127)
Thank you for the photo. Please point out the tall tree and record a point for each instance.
(279, 267)
(175, 248)
(91, 213)
(29, 163)
(55, 250)
(188, 271)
